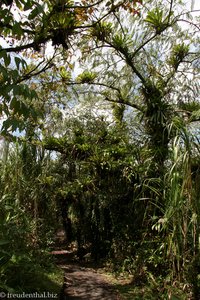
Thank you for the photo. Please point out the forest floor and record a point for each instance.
(87, 281)
(83, 280)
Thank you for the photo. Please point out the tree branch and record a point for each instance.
(94, 83)
(122, 101)
(170, 11)
(192, 24)
(18, 48)
(129, 59)
(31, 73)
(119, 100)
(82, 6)
(145, 43)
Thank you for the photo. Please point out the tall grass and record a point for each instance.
(180, 220)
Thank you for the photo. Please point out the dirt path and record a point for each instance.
(84, 283)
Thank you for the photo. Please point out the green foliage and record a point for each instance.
(86, 77)
(102, 30)
(127, 188)
(179, 52)
(16, 97)
(65, 75)
(21, 229)
(31, 275)
(157, 20)
(120, 42)
(118, 112)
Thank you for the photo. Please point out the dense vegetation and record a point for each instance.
(100, 136)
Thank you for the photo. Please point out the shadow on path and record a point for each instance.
(82, 281)
(86, 284)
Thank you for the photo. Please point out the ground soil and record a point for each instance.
(83, 281)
